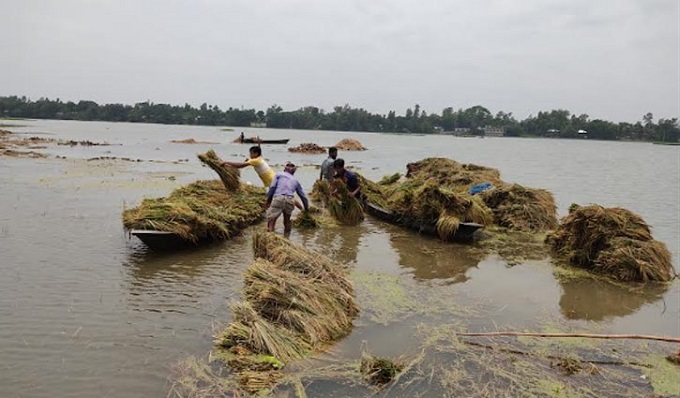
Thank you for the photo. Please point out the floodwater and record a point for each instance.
(86, 310)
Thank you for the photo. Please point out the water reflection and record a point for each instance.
(594, 300)
(432, 259)
(144, 265)
(340, 244)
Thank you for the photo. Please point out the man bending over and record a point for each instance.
(280, 198)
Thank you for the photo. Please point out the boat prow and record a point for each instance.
(160, 240)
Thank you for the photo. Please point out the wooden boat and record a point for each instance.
(161, 240)
(464, 233)
(253, 140)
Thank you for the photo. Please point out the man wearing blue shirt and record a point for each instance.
(280, 198)
(348, 177)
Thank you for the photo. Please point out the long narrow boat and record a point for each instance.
(161, 240)
(464, 233)
(252, 140)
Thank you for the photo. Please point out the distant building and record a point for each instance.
(493, 131)
(258, 124)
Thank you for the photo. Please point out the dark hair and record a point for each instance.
(339, 163)
(332, 150)
(256, 149)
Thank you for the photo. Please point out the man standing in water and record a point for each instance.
(327, 170)
(280, 198)
(261, 167)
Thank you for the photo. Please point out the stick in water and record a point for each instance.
(585, 335)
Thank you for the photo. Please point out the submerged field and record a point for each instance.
(88, 310)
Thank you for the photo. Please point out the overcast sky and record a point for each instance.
(611, 59)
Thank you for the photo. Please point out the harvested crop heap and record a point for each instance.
(200, 210)
(307, 147)
(451, 174)
(611, 241)
(522, 209)
(436, 193)
(348, 144)
(296, 303)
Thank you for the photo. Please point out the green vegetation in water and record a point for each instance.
(385, 296)
(227, 129)
(664, 375)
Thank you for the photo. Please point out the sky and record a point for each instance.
(611, 59)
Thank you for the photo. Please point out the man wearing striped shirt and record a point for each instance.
(280, 198)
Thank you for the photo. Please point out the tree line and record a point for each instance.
(473, 120)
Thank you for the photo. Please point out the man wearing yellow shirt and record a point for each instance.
(261, 167)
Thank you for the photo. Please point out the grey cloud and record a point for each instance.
(614, 59)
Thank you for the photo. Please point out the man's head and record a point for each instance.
(290, 167)
(255, 151)
(339, 165)
(333, 152)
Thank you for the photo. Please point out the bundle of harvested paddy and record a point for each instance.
(298, 302)
(306, 219)
(258, 335)
(230, 176)
(451, 174)
(612, 241)
(321, 191)
(349, 144)
(391, 179)
(374, 193)
(430, 204)
(285, 254)
(345, 208)
(522, 209)
(201, 210)
(379, 370)
(307, 147)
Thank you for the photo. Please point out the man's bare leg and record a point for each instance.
(287, 224)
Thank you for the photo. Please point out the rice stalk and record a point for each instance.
(230, 176)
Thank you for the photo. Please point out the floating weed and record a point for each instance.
(664, 375)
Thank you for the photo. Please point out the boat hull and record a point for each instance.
(464, 233)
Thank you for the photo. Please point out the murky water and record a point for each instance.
(85, 310)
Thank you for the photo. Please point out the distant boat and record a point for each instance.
(253, 140)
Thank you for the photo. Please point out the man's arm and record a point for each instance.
(303, 197)
(238, 165)
(356, 191)
(271, 190)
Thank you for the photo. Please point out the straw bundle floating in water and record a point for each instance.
(307, 147)
(305, 219)
(201, 210)
(379, 370)
(348, 144)
(522, 209)
(230, 176)
(612, 241)
(297, 302)
(258, 335)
